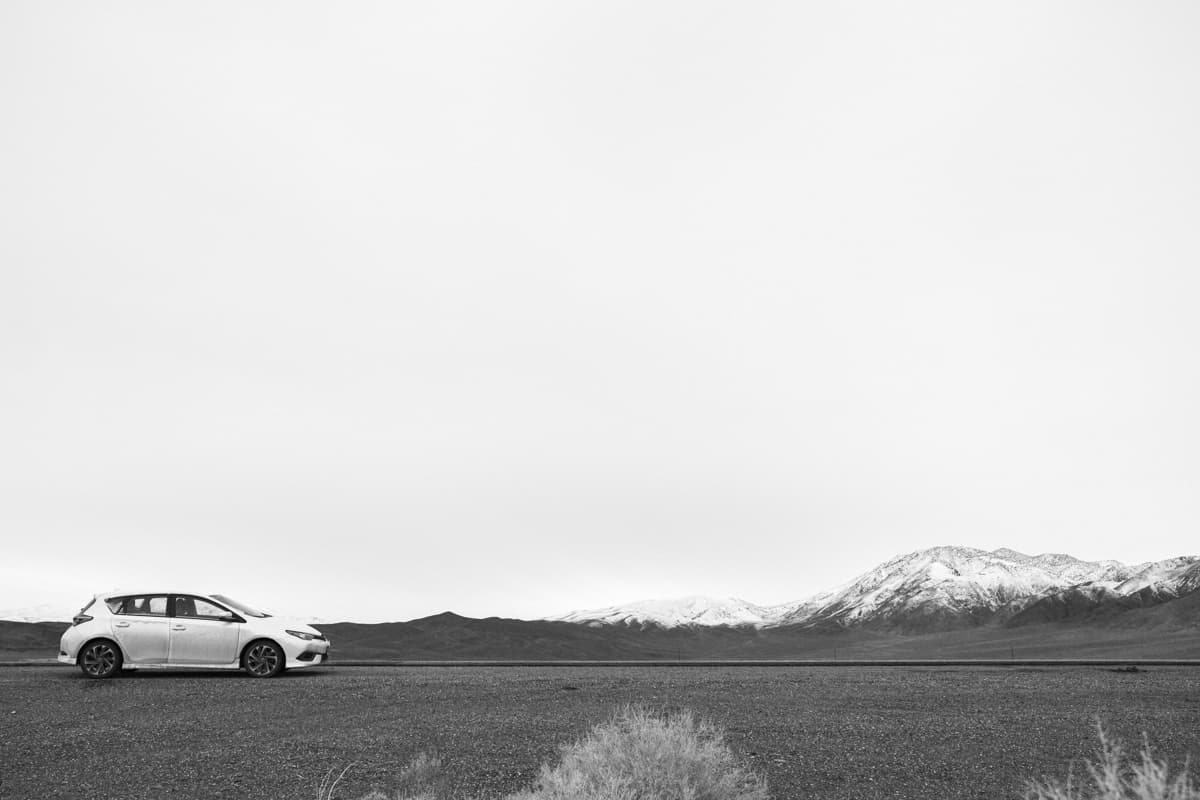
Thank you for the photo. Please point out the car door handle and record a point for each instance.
(179, 627)
(121, 624)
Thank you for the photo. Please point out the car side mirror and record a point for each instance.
(230, 618)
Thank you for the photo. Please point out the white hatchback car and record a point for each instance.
(172, 630)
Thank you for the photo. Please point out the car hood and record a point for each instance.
(285, 624)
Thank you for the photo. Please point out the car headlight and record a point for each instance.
(308, 637)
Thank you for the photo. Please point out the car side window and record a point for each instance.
(197, 608)
(145, 606)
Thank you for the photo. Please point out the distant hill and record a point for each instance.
(30, 639)
(1170, 630)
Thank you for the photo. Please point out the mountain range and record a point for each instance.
(941, 588)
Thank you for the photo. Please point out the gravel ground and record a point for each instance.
(820, 732)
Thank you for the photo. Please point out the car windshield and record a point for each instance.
(248, 610)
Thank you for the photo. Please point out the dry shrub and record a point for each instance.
(1111, 777)
(638, 755)
(421, 779)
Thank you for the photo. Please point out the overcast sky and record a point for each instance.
(371, 311)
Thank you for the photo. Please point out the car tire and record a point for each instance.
(263, 659)
(100, 658)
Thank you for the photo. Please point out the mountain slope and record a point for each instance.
(949, 587)
(939, 589)
(30, 639)
(1152, 585)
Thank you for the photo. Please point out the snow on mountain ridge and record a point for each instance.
(946, 584)
(1170, 571)
(671, 613)
(938, 587)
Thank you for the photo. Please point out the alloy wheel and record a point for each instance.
(99, 660)
(262, 660)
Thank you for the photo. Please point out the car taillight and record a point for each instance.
(79, 619)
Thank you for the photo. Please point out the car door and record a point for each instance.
(142, 628)
(199, 635)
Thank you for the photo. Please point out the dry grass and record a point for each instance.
(421, 779)
(1111, 777)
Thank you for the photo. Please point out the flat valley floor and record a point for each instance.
(814, 732)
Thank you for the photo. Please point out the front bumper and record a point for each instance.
(306, 654)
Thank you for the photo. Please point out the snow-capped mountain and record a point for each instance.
(694, 610)
(946, 587)
(933, 589)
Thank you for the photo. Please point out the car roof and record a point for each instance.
(155, 590)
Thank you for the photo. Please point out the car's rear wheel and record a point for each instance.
(100, 659)
(263, 659)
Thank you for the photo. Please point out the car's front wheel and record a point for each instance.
(263, 659)
(100, 659)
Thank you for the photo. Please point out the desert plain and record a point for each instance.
(820, 732)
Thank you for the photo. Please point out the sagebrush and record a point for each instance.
(1110, 776)
(639, 755)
